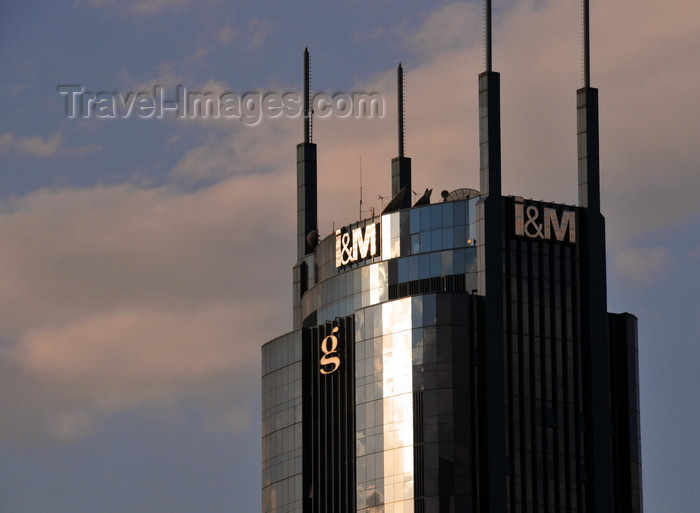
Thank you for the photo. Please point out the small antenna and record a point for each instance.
(488, 39)
(307, 87)
(402, 127)
(360, 188)
(401, 165)
(586, 45)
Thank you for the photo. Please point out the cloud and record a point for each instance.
(122, 297)
(141, 7)
(129, 358)
(454, 27)
(165, 77)
(641, 266)
(13, 144)
(226, 34)
(257, 31)
(231, 145)
(36, 145)
(129, 297)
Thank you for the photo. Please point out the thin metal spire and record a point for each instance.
(401, 165)
(307, 202)
(488, 36)
(307, 86)
(360, 188)
(586, 46)
(402, 128)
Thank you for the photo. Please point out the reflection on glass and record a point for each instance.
(386, 236)
(385, 434)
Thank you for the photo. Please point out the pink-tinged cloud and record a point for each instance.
(122, 297)
(30, 145)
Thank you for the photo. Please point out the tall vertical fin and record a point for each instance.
(400, 105)
(489, 119)
(598, 451)
(491, 431)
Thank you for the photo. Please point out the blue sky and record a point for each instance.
(145, 261)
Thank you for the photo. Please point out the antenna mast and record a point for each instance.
(586, 45)
(488, 37)
(307, 86)
(401, 165)
(307, 183)
(402, 128)
(359, 218)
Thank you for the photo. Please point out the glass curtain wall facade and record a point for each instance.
(408, 373)
(379, 400)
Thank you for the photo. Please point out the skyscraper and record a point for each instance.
(455, 356)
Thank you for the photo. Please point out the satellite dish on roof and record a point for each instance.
(425, 199)
(462, 194)
(312, 239)
(395, 203)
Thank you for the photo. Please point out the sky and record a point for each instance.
(144, 260)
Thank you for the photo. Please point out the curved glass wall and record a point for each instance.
(422, 251)
(281, 424)
(421, 243)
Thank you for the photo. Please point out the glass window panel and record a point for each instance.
(436, 264)
(425, 242)
(429, 312)
(459, 236)
(415, 220)
(424, 219)
(404, 221)
(447, 214)
(342, 285)
(447, 260)
(424, 266)
(403, 270)
(395, 224)
(395, 247)
(417, 310)
(386, 236)
(470, 260)
(459, 261)
(460, 213)
(413, 267)
(435, 216)
(377, 329)
(415, 243)
(436, 240)
(447, 238)
(357, 300)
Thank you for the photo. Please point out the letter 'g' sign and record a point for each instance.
(329, 346)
